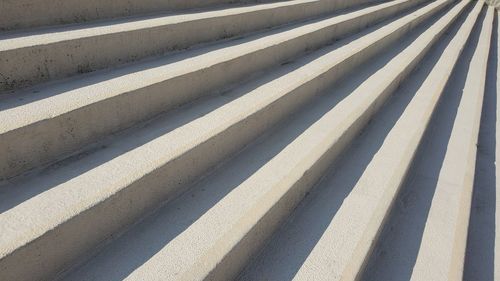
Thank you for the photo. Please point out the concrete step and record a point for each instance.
(30, 13)
(31, 57)
(87, 201)
(354, 201)
(228, 216)
(55, 120)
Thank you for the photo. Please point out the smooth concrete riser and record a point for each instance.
(27, 59)
(148, 186)
(52, 135)
(33, 13)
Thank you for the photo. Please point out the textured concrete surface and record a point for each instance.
(103, 103)
(32, 13)
(339, 146)
(31, 57)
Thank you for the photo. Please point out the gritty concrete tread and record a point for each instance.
(218, 238)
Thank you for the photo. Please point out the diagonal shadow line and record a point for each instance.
(480, 253)
(126, 18)
(397, 248)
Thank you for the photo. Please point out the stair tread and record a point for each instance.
(402, 235)
(28, 59)
(28, 14)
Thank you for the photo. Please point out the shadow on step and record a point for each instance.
(397, 248)
(479, 258)
(22, 188)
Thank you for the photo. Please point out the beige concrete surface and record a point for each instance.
(32, 13)
(130, 186)
(364, 210)
(55, 120)
(346, 241)
(340, 144)
(241, 219)
(27, 58)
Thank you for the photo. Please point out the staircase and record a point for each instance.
(249, 140)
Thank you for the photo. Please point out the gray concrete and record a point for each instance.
(237, 178)
(402, 241)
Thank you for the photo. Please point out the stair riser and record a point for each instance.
(30, 13)
(52, 138)
(27, 66)
(90, 228)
